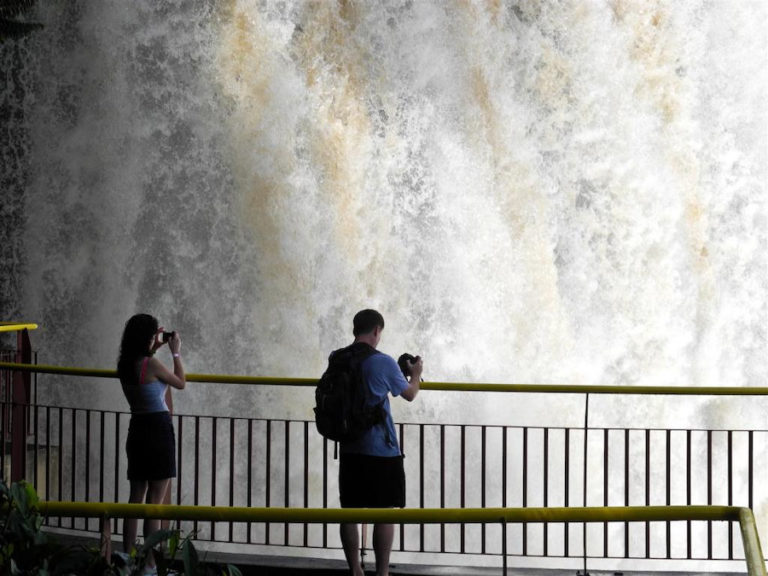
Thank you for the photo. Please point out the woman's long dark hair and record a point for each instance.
(135, 343)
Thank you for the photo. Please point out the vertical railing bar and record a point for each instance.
(606, 448)
(525, 487)
(34, 379)
(668, 489)
(74, 463)
(47, 453)
(325, 489)
(567, 484)
(4, 389)
(249, 477)
(647, 490)
(750, 469)
(87, 458)
(268, 480)
(585, 477)
(179, 456)
(306, 479)
(214, 440)
(102, 432)
(504, 466)
(688, 489)
(463, 487)
(5, 378)
(709, 492)
(232, 448)
(482, 484)
(504, 546)
(197, 468)
(117, 467)
(545, 473)
(626, 490)
(442, 484)
(730, 492)
(60, 491)
(36, 419)
(421, 485)
(286, 476)
(401, 434)
(5, 382)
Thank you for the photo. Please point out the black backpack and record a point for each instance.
(341, 413)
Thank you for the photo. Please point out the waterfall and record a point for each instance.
(528, 191)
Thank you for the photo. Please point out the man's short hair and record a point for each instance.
(366, 321)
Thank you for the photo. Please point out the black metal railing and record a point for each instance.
(77, 454)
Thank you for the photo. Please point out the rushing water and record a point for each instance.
(528, 191)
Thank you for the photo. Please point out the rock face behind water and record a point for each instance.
(553, 192)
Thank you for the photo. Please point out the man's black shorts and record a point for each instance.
(371, 481)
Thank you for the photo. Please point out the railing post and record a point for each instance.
(165, 523)
(504, 546)
(586, 451)
(20, 394)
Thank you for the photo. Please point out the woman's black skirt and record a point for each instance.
(151, 447)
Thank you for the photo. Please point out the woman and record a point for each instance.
(151, 443)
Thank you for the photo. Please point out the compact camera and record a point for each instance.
(403, 363)
(167, 336)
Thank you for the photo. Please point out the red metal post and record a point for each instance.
(20, 395)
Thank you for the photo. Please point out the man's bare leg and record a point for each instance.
(350, 540)
(383, 536)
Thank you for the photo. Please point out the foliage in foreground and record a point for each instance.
(27, 549)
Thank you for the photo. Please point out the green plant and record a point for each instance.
(178, 545)
(26, 549)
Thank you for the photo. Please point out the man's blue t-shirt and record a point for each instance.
(382, 375)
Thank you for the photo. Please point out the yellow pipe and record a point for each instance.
(444, 386)
(16, 326)
(753, 552)
(391, 515)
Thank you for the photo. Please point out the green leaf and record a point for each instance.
(189, 555)
(173, 544)
(156, 538)
(233, 570)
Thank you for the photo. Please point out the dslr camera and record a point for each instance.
(403, 363)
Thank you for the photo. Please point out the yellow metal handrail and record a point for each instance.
(444, 386)
(745, 518)
(16, 326)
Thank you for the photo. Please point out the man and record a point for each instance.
(371, 473)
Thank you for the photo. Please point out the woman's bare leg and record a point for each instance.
(155, 495)
(131, 525)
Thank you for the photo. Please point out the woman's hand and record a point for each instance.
(175, 344)
(158, 340)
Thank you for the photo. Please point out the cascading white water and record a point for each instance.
(528, 191)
